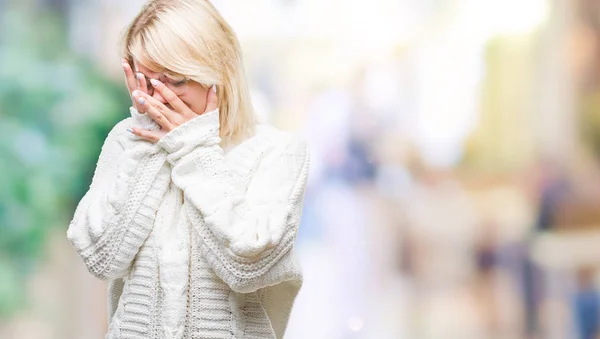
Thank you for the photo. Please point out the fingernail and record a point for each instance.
(154, 82)
(141, 101)
(125, 65)
(214, 88)
(130, 130)
(139, 76)
(136, 93)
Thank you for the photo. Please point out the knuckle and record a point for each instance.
(165, 111)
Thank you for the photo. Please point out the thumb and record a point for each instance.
(212, 99)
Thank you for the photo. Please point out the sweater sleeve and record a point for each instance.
(247, 219)
(117, 213)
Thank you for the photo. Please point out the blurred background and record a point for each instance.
(455, 181)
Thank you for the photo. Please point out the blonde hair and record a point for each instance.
(190, 38)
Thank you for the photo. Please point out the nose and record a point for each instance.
(159, 97)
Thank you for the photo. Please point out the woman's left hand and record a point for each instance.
(167, 119)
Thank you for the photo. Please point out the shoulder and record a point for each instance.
(116, 135)
(281, 143)
(271, 149)
(119, 139)
(120, 128)
(119, 133)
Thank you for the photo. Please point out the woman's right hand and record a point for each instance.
(134, 82)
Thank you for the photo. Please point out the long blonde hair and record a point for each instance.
(190, 38)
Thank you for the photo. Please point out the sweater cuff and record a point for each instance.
(201, 130)
(143, 120)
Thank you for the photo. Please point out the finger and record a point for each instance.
(143, 86)
(132, 83)
(155, 109)
(152, 136)
(211, 100)
(129, 77)
(173, 117)
(173, 100)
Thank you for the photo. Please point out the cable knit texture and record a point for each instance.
(196, 242)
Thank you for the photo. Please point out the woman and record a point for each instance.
(194, 206)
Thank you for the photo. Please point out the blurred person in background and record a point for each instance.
(553, 187)
(194, 206)
(586, 305)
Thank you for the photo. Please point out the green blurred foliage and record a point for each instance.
(56, 109)
(590, 121)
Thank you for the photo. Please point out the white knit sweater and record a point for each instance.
(196, 242)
